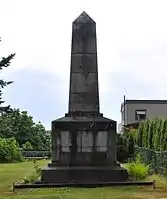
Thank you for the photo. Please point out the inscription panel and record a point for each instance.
(101, 141)
(65, 141)
(84, 141)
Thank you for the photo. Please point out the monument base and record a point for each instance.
(84, 174)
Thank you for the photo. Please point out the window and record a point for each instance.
(140, 115)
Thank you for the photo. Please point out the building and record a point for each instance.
(135, 111)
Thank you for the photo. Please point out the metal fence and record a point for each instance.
(156, 159)
(35, 154)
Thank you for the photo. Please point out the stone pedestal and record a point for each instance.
(85, 175)
(84, 150)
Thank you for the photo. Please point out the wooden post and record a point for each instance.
(153, 184)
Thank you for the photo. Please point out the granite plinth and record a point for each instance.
(83, 174)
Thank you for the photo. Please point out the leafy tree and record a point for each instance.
(20, 125)
(4, 63)
(9, 150)
(27, 146)
(6, 130)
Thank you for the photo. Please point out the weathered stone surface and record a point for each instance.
(84, 84)
(84, 38)
(83, 142)
(84, 91)
(84, 18)
(84, 62)
(84, 174)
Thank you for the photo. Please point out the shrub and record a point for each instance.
(137, 170)
(27, 146)
(34, 175)
(122, 154)
(122, 148)
(9, 151)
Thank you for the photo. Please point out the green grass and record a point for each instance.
(15, 172)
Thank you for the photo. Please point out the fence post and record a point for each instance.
(153, 184)
(13, 187)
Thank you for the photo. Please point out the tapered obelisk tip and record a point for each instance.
(84, 91)
(84, 18)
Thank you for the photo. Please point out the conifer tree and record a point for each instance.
(163, 136)
(4, 63)
(145, 133)
(157, 134)
(150, 134)
(140, 135)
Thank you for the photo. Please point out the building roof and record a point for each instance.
(144, 102)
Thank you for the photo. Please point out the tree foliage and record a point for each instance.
(9, 150)
(152, 134)
(4, 63)
(27, 146)
(28, 134)
(18, 131)
(125, 144)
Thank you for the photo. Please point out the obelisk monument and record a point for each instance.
(83, 141)
(84, 91)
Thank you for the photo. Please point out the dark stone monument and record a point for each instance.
(83, 142)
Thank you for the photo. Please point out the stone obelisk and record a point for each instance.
(84, 91)
(83, 142)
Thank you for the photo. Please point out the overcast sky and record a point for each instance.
(132, 52)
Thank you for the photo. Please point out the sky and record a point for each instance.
(132, 53)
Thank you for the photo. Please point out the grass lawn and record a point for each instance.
(14, 172)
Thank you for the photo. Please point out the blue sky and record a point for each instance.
(132, 52)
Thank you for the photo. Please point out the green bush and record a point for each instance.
(30, 179)
(9, 151)
(137, 170)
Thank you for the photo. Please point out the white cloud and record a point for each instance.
(131, 41)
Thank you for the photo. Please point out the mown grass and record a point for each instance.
(15, 172)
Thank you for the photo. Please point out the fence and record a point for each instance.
(35, 154)
(156, 159)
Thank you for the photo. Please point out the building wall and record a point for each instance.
(153, 110)
(124, 118)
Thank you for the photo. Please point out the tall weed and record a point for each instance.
(137, 170)
(33, 177)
